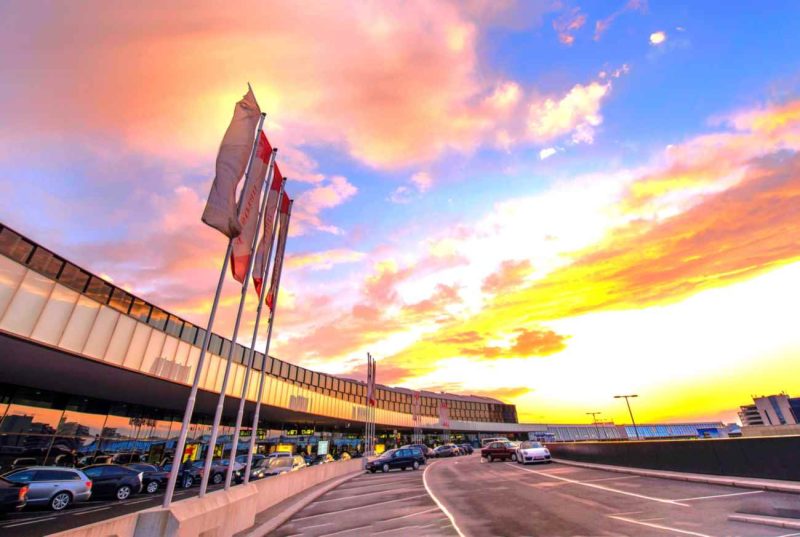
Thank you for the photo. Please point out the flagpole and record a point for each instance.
(212, 442)
(271, 323)
(251, 351)
(366, 414)
(177, 459)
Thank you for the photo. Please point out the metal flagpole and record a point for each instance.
(251, 351)
(177, 459)
(366, 414)
(212, 442)
(271, 323)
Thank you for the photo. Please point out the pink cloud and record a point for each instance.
(567, 24)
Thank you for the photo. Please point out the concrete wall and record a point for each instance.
(220, 513)
(770, 430)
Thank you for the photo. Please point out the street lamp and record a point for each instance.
(594, 420)
(626, 397)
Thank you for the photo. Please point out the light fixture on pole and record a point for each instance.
(626, 397)
(594, 420)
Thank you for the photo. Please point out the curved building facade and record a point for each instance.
(77, 340)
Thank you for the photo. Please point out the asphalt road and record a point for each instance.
(507, 499)
(38, 521)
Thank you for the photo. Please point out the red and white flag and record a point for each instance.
(264, 252)
(277, 267)
(220, 211)
(371, 381)
(248, 218)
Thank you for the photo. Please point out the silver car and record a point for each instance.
(52, 485)
(280, 465)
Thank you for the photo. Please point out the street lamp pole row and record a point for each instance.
(627, 402)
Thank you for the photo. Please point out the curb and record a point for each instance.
(291, 510)
(774, 486)
(786, 523)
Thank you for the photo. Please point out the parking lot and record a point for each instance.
(36, 521)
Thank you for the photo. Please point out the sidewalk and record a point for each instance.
(732, 481)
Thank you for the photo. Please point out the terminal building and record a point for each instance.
(88, 368)
(773, 410)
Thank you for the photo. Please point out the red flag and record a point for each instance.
(263, 252)
(283, 234)
(248, 218)
(220, 211)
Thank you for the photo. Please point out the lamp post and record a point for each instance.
(626, 397)
(594, 420)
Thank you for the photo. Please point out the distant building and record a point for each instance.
(771, 410)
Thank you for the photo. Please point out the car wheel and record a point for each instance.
(123, 492)
(415, 465)
(188, 482)
(60, 501)
(152, 487)
(385, 468)
(217, 479)
(513, 457)
(489, 458)
(403, 468)
(372, 470)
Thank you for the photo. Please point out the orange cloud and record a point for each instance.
(324, 260)
(567, 24)
(602, 25)
(533, 342)
(510, 275)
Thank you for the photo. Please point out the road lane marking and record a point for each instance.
(658, 526)
(88, 512)
(720, 495)
(612, 478)
(359, 507)
(371, 495)
(28, 522)
(139, 501)
(438, 503)
(316, 526)
(411, 514)
(600, 487)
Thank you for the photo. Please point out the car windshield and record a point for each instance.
(278, 462)
(531, 445)
(388, 453)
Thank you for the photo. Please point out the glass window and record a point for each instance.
(158, 319)
(328, 382)
(140, 310)
(99, 290)
(293, 372)
(73, 277)
(276, 367)
(56, 475)
(284, 370)
(201, 334)
(315, 379)
(268, 364)
(258, 361)
(188, 333)
(46, 263)
(120, 300)
(14, 246)
(215, 345)
(307, 376)
(174, 326)
(226, 348)
(238, 354)
(25, 476)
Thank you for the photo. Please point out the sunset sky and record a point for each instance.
(547, 202)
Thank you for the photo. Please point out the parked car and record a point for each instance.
(280, 465)
(466, 449)
(114, 480)
(186, 478)
(531, 451)
(218, 470)
(126, 458)
(495, 451)
(426, 451)
(23, 462)
(13, 496)
(53, 486)
(96, 459)
(487, 441)
(445, 451)
(397, 458)
(153, 477)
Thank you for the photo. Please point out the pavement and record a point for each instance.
(38, 521)
(470, 497)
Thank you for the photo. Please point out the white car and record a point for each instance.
(530, 451)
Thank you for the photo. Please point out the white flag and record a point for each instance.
(277, 267)
(220, 211)
(269, 221)
(248, 217)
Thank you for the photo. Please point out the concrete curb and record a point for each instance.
(740, 482)
(787, 523)
(276, 521)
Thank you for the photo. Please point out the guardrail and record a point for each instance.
(220, 513)
(765, 458)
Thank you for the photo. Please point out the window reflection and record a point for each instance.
(98, 289)
(73, 277)
(14, 246)
(45, 263)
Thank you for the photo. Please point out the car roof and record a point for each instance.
(45, 468)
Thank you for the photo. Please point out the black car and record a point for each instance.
(466, 449)
(13, 496)
(186, 477)
(113, 480)
(397, 458)
(153, 477)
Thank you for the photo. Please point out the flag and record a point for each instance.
(371, 381)
(283, 218)
(263, 251)
(220, 212)
(248, 217)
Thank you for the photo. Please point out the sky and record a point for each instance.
(550, 203)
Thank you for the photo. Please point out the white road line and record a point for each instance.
(138, 501)
(92, 511)
(359, 507)
(315, 525)
(438, 503)
(600, 487)
(371, 495)
(612, 478)
(789, 535)
(28, 522)
(720, 495)
(658, 526)
(411, 514)
(349, 530)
